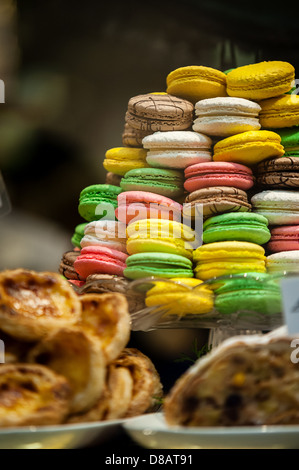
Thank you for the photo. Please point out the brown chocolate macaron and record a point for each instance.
(66, 267)
(112, 178)
(109, 283)
(159, 112)
(217, 200)
(282, 172)
(133, 137)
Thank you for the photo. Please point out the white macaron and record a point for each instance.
(226, 116)
(177, 149)
(280, 207)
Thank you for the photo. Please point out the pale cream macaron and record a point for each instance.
(226, 116)
(177, 149)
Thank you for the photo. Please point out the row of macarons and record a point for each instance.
(230, 243)
(162, 249)
(199, 90)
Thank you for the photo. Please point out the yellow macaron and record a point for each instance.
(196, 82)
(180, 296)
(228, 257)
(279, 112)
(160, 235)
(260, 81)
(249, 147)
(120, 160)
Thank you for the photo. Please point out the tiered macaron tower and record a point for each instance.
(215, 145)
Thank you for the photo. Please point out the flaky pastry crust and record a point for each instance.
(246, 380)
(34, 304)
(147, 387)
(115, 399)
(106, 317)
(31, 394)
(78, 356)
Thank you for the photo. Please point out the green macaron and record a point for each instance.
(161, 181)
(78, 234)
(240, 226)
(162, 265)
(289, 140)
(250, 292)
(98, 201)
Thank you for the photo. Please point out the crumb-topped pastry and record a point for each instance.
(247, 380)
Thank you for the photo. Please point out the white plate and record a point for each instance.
(151, 431)
(63, 436)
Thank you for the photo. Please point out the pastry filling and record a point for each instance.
(253, 386)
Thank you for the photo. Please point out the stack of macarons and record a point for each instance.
(224, 144)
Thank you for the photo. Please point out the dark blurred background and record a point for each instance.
(69, 69)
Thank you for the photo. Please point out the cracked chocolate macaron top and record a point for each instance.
(153, 112)
(280, 172)
(216, 200)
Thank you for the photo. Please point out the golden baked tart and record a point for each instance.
(132, 387)
(147, 387)
(247, 380)
(77, 356)
(106, 316)
(31, 394)
(32, 304)
(115, 400)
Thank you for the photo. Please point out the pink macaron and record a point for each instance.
(284, 238)
(99, 259)
(203, 175)
(138, 205)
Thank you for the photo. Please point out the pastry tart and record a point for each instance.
(77, 356)
(31, 394)
(115, 399)
(106, 317)
(247, 380)
(132, 388)
(34, 304)
(147, 388)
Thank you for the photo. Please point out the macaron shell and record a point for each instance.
(228, 257)
(98, 201)
(280, 207)
(133, 137)
(249, 300)
(159, 112)
(97, 259)
(280, 112)
(89, 240)
(196, 82)
(162, 181)
(227, 106)
(78, 234)
(249, 147)
(236, 226)
(280, 172)
(187, 140)
(261, 80)
(138, 205)
(218, 174)
(179, 159)
(284, 238)
(211, 269)
(225, 125)
(158, 265)
(164, 245)
(284, 261)
(216, 200)
(120, 160)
